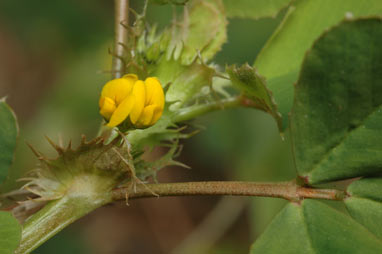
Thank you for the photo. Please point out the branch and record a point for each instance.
(120, 39)
(287, 190)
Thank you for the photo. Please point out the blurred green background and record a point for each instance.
(53, 62)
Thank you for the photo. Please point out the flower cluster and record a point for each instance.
(129, 99)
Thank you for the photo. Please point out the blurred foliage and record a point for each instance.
(70, 240)
(254, 9)
(77, 24)
(8, 137)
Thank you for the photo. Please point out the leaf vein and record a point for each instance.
(341, 141)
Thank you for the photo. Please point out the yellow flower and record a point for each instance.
(129, 98)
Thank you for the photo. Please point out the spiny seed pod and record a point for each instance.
(91, 162)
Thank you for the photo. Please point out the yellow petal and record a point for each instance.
(156, 115)
(122, 111)
(107, 107)
(154, 92)
(146, 116)
(131, 77)
(117, 89)
(100, 102)
(139, 93)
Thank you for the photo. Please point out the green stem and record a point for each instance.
(287, 190)
(85, 194)
(50, 220)
(194, 111)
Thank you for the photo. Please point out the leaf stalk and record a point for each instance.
(286, 190)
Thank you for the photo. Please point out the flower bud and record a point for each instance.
(139, 102)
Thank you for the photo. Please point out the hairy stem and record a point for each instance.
(84, 194)
(120, 39)
(286, 190)
(89, 192)
(194, 111)
(50, 220)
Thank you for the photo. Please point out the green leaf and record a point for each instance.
(365, 203)
(254, 9)
(313, 227)
(305, 21)
(203, 29)
(283, 93)
(247, 80)
(336, 121)
(10, 233)
(8, 136)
